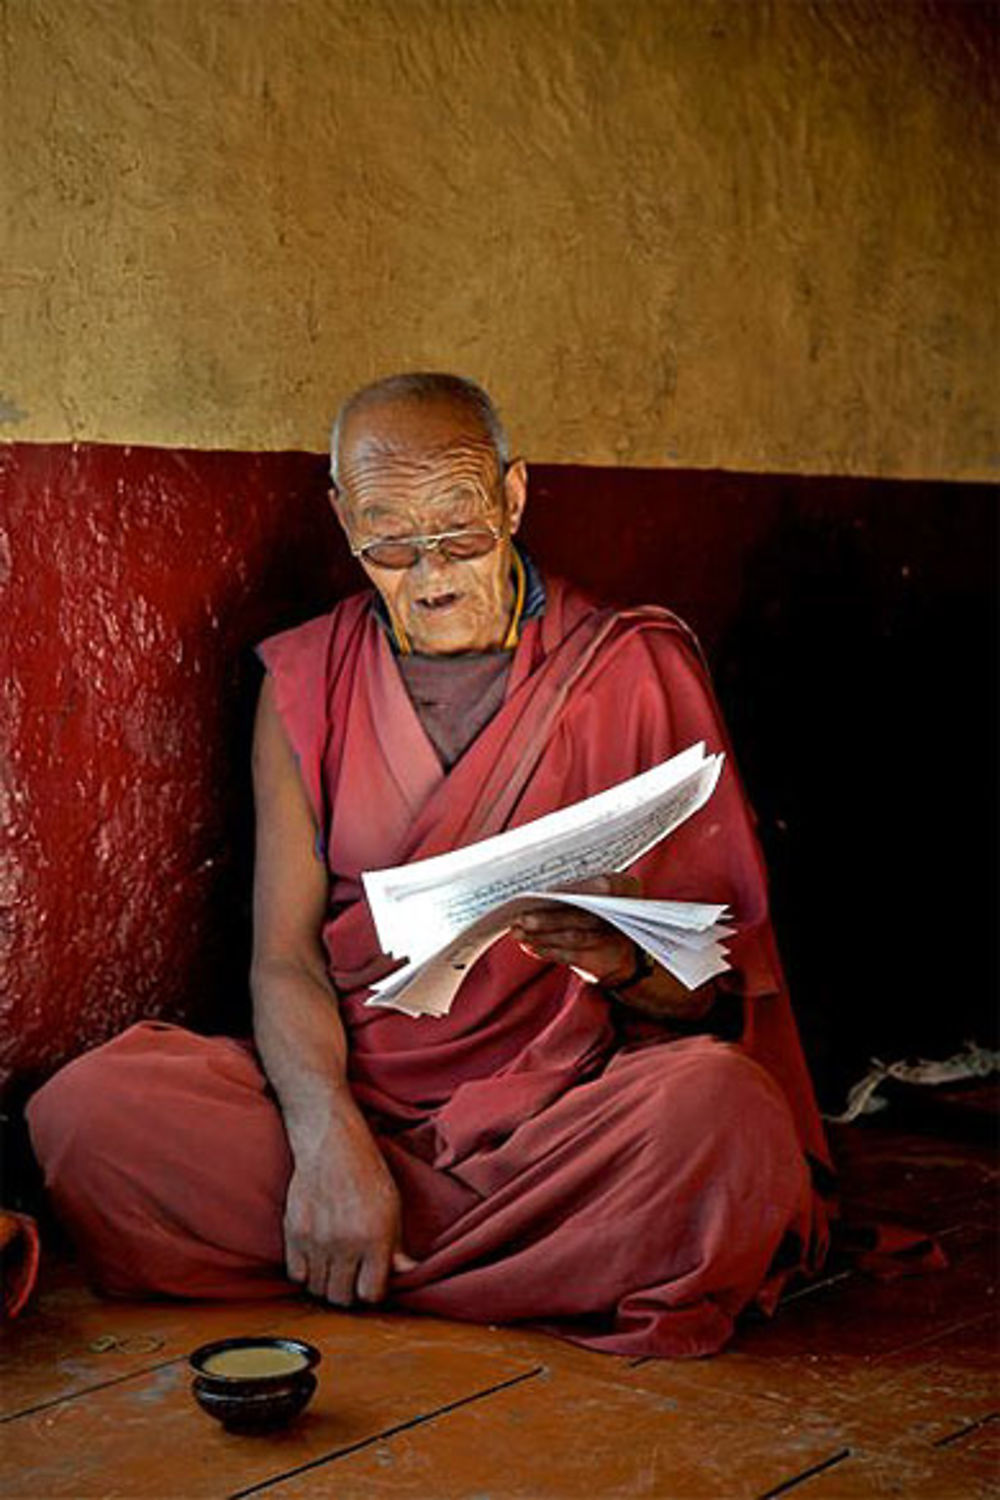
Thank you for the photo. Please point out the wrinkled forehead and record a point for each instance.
(403, 458)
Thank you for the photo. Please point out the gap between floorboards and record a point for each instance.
(387, 1432)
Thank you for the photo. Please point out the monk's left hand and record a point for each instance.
(592, 948)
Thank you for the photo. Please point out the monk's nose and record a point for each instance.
(431, 562)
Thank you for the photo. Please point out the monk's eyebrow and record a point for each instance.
(375, 512)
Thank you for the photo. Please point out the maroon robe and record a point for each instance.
(559, 1159)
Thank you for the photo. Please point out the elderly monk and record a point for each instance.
(581, 1142)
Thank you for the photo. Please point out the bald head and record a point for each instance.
(421, 458)
(437, 399)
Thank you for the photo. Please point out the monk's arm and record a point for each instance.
(664, 998)
(342, 1217)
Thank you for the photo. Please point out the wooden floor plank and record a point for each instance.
(146, 1437)
(904, 1473)
(56, 1348)
(917, 1179)
(979, 1446)
(941, 1389)
(834, 1352)
(563, 1436)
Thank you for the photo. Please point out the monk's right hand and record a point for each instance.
(342, 1222)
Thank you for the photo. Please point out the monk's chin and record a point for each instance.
(445, 632)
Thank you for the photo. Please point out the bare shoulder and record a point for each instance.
(269, 739)
(274, 762)
(290, 881)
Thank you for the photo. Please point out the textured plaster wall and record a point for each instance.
(755, 234)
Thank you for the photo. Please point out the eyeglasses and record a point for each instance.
(456, 546)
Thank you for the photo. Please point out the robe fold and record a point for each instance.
(560, 1159)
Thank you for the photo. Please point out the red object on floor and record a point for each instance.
(20, 1254)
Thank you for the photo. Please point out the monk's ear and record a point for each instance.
(515, 488)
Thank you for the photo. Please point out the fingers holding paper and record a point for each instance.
(591, 946)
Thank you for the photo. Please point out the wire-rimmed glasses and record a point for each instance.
(405, 551)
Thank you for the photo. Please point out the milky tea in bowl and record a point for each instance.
(254, 1384)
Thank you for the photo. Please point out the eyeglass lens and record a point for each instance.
(458, 547)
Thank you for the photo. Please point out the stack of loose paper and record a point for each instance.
(443, 913)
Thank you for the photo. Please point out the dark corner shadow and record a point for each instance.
(859, 678)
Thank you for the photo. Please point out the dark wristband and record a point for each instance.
(644, 966)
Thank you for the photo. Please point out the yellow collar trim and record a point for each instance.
(399, 635)
(520, 587)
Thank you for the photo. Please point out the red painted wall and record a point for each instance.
(137, 580)
(851, 625)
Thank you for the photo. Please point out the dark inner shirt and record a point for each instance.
(455, 696)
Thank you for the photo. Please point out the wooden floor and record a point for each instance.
(854, 1389)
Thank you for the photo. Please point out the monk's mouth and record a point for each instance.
(439, 602)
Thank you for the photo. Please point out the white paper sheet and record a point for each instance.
(428, 986)
(443, 913)
(419, 907)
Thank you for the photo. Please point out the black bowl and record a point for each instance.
(254, 1402)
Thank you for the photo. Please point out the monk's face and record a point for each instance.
(414, 469)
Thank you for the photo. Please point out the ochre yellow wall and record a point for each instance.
(758, 234)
